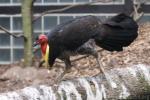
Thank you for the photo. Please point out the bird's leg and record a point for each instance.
(95, 54)
(109, 80)
(44, 64)
(100, 65)
(67, 61)
(67, 64)
(41, 63)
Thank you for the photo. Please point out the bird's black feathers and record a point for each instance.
(112, 35)
(118, 32)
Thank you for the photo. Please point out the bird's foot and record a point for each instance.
(60, 78)
(97, 74)
(50, 68)
(68, 70)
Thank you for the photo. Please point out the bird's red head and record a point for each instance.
(42, 40)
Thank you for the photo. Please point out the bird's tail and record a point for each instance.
(117, 32)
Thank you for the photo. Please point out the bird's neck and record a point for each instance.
(45, 52)
(43, 48)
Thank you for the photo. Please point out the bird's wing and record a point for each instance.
(117, 32)
(75, 33)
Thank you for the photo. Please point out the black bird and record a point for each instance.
(79, 35)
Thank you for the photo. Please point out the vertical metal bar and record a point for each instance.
(74, 1)
(58, 1)
(11, 40)
(11, 2)
(42, 22)
(58, 19)
(42, 1)
(128, 6)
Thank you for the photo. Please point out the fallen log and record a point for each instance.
(124, 83)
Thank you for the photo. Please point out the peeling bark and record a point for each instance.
(129, 82)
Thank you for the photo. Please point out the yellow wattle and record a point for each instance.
(46, 56)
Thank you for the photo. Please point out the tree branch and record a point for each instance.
(12, 34)
(16, 36)
(132, 83)
(69, 7)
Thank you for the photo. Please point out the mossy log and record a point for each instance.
(124, 83)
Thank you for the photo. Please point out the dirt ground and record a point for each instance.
(14, 76)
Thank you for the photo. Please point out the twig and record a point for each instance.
(69, 7)
(135, 14)
(16, 36)
(4, 79)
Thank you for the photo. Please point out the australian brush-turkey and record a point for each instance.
(76, 37)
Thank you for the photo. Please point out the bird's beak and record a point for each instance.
(35, 43)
